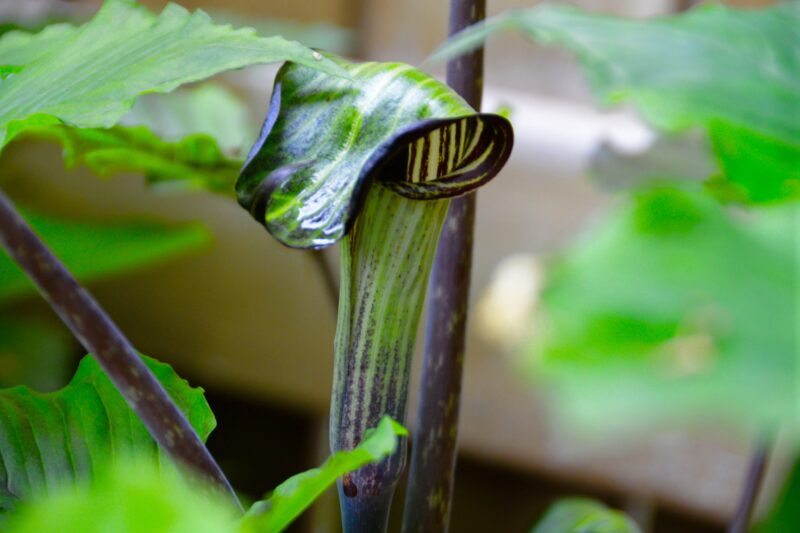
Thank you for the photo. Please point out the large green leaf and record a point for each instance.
(48, 440)
(95, 250)
(671, 310)
(90, 76)
(294, 495)
(326, 139)
(581, 515)
(735, 72)
(135, 496)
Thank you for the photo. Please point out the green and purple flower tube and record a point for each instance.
(371, 161)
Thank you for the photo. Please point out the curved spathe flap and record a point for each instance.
(326, 139)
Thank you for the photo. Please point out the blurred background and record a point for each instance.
(251, 322)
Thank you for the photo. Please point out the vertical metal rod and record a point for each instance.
(102, 338)
(432, 470)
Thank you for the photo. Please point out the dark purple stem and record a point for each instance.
(101, 337)
(433, 458)
(755, 475)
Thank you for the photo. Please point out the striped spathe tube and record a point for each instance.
(370, 161)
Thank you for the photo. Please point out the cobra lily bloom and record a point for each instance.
(371, 161)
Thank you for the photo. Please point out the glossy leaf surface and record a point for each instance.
(90, 76)
(55, 439)
(736, 73)
(326, 139)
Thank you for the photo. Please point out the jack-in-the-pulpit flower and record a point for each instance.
(371, 161)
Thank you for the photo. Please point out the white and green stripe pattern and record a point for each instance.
(337, 135)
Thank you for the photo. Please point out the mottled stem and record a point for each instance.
(755, 475)
(101, 337)
(385, 261)
(433, 459)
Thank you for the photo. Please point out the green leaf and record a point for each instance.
(8, 70)
(18, 47)
(208, 109)
(295, 494)
(90, 76)
(193, 163)
(726, 64)
(734, 72)
(92, 251)
(131, 496)
(33, 352)
(674, 310)
(326, 139)
(186, 140)
(582, 515)
(757, 168)
(55, 439)
(134, 495)
(784, 517)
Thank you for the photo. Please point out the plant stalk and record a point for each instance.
(755, 475)
(102, 338)
(433, 458)
(386, 261)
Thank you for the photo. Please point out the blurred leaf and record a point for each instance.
(294, 495)
(132, 496)
(92, 251)
(581, 515)
(193, 163)
(673, 309)
(734, 72)
(54, 439)
(33, 352)
(208, 109)
(90, 76)
(757, 167)
(785, 515)
(8, 70)
(681, 157)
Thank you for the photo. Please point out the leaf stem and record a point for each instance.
(102, 338)
(752, 484)
(433, 458)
